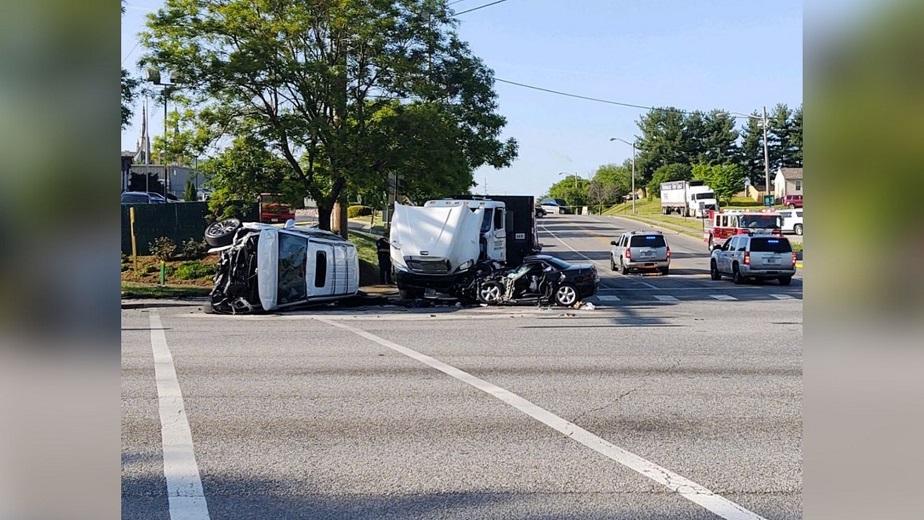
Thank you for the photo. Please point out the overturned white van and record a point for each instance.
(264, 267)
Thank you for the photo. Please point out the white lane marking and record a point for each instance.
(723, 297)
(646, 284)
(582, 255)
(782, 297)
(688, 489)
(607, 298)
(184, 487)
(665, 298)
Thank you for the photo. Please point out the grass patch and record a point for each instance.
(368, 257)
(195, 269)
(139, 290)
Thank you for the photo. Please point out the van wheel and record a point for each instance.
(490, 293)
(786, 280)
(798, 229)
(714, 271)
(792, 206)
(221, 233)
(736, 275)
(566, 295)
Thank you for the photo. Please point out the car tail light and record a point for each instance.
(628, 253)
(747, 258)
(668, 253)
(793, 258)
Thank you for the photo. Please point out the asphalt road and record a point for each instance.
(676, 397)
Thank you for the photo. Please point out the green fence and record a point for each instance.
(179, 221)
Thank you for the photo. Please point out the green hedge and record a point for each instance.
(358, 211)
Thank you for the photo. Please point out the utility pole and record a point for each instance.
(766, 153)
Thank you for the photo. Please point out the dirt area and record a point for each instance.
(178, 272)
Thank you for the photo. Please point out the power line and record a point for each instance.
(479, 7)
(609, 102)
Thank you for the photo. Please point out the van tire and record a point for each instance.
(797, 229)
(221, 233)
(612, 263)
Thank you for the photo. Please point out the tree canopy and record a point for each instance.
(344, 93)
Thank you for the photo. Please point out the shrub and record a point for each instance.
(358, 211)
(193, 249)
(193, 270)
(163, 248)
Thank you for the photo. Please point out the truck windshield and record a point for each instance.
(759, 221)
(705, 195)
(486, 221)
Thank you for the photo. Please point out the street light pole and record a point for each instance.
(632, 144)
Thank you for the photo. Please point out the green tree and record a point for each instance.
(725, 179)
(189, 194)
(663, 141)
(751, 152)
(334, 88)
(573, 189)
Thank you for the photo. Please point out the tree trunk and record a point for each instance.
(324, 213)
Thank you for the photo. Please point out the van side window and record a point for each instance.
(320, 272)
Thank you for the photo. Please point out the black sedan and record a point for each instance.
(539, 279)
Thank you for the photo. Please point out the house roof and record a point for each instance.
(791, 174)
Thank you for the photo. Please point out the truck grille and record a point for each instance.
(429, 266)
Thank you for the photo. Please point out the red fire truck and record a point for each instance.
(273, 209)
(721, 225)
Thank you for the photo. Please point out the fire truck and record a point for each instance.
(720, 225)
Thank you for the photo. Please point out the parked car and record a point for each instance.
(555, 206)
(263, 267)
(792, 201)
(140, 197)
(754, 256)
(640, 251)
(791, 221)
(540, 212)
(541, 279)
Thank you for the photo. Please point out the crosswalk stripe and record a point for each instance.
(723, 297)
(607, 298)
(665, 298)
(782, 296)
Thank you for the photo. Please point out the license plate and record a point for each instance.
(773, 261)
(274, 220)
(646, 254)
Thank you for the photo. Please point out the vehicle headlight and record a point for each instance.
(466, 265)
(399, 267)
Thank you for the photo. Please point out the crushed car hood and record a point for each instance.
(436, 232)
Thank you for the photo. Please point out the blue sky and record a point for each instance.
(732, 55)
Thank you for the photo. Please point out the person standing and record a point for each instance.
(383, 248)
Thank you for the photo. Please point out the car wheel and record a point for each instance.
(786, 280)
(622, 267)
(221, 233)
(665, 271)
(490, 293)
(798, 229)
(736, 275)
(566, 295)
(714, 271)
(792, 206)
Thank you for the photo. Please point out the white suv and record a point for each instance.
(640, 251)
(754, 256)
(791, 220)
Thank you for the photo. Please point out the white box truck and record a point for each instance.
(687, 198)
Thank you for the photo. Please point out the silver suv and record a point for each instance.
(754, 256)
(640, 251)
